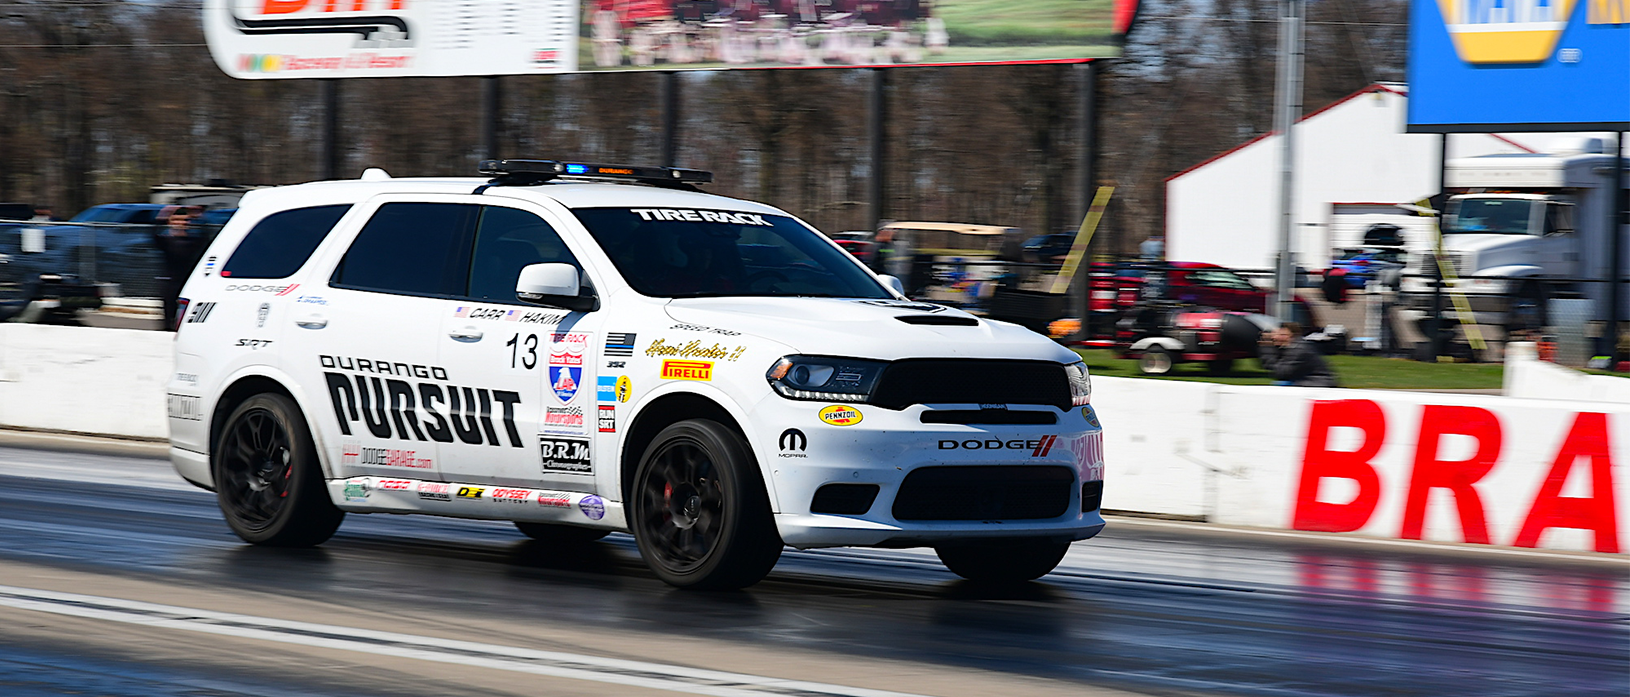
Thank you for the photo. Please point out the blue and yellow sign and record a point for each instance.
(1519, 65)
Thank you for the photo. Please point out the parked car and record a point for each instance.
(1048, 249)
(1160, 336)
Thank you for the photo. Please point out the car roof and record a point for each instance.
(570, 193)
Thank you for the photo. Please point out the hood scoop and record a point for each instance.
(939, 320)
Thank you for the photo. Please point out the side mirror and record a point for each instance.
(894, 284)
(554, 285)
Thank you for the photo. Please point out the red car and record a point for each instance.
(1118, 288)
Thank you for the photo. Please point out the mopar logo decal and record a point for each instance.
(1038, 448)
(793, 439)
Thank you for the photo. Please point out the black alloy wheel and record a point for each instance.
(267, 478)
(700, 513)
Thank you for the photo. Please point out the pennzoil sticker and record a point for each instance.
(841, 415)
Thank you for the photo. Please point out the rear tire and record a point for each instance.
(1003, 561)
(1156, 360)
(268, 481)
(555, 534)
(699, 509)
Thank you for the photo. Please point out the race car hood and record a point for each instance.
(877, 329)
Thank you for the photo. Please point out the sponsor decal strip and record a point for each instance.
(614, 671)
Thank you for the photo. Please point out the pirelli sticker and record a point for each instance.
(687, 370)
(685, 215)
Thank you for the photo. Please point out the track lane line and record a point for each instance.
(551, 663)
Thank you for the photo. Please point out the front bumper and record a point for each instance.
(885, 446)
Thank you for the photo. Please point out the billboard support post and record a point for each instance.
(1086, 114)
(877, 108)
(1615, 253)
(331, 128)
(1439, 338)
(1288, 111)
(668, 95)
(492, 100)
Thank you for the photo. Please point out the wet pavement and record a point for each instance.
(1149, 607)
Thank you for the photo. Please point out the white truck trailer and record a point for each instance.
(1522, 228)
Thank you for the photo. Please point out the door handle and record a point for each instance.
(466, 334)
(312, 322)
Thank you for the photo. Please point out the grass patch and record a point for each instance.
(1026, 21)
(1352, 371)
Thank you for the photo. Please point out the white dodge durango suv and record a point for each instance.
(584, 348)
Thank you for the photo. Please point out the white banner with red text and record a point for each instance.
(1479, 469)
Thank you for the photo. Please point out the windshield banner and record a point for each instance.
(272, 39)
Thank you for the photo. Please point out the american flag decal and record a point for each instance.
(620, 344)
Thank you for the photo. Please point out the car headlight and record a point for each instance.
(1080, 383)
(824, 378)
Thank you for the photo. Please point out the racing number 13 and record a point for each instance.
(530, 359)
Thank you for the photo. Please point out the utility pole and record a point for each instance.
(331, 128)
(1288, 111)
(1086, 158)
(668, 97)
(1616, 220)
(877, 132)
(492, 97)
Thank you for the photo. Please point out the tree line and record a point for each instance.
(101, 99)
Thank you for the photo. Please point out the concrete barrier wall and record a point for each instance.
(85, 380)
(1528, 376)
(1486, 469)
(1408, 465)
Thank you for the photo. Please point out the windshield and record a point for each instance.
(694, 253)
(1488, 215)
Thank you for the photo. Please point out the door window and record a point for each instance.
(507, 240)
(411, 249)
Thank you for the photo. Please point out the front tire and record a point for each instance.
(268, 481)
(700, 513)
(1003, 561)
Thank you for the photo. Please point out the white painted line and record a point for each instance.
(615, 671)
(1554, 555)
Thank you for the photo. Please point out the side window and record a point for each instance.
(506, 240)
(280, 243)
(411, 248)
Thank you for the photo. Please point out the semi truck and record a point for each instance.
(1520, 229)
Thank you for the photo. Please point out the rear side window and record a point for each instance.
(280, 244)
(412, 249)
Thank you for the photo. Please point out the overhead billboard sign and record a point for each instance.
(1519, 65)
(272, 39)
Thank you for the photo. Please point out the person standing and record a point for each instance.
(1292, 360)
(181, 247)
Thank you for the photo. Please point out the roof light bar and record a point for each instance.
(540, 171)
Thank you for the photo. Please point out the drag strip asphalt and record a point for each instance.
(121, 579)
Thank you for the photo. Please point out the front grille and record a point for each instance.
(1010, 492)
(844, 499)
(1001, 417)
(971, 381)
